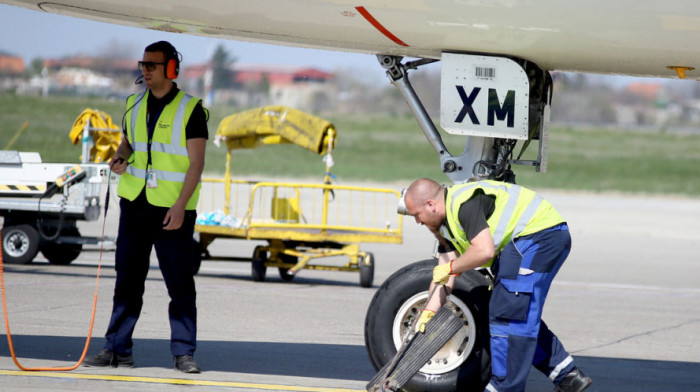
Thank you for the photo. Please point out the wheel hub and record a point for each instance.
(16, 244)
(455, 351)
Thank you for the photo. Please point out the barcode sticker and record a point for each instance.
(485, 72)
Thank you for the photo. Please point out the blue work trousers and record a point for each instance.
(519, 337)
(141, 230)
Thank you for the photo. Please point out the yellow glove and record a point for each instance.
(442, 273)
(425, 316)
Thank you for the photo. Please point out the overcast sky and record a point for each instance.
(37, 34)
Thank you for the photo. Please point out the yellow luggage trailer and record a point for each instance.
(302, 223)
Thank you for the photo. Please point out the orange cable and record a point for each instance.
(92, 320)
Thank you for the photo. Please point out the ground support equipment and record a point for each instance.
(41, 203)
(302, 225)
(301, 222)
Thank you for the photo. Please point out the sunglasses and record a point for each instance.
(148, 65)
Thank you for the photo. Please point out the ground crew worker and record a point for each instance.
(525, 241)
(160, 162)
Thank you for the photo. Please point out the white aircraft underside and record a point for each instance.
(629, 37)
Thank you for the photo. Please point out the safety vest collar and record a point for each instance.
(445, 232)
(134, 114)
(175, 146)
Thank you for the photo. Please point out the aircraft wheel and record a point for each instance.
(20, 244)
(367, 270)
(464, 363)
(258, 267)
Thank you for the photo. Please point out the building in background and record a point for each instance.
(578, 98)
(11, 70)
(11, 65)
(304, 88)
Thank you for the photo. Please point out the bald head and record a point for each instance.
(423, 189)
(425, 202)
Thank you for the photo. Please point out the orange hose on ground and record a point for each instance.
(92, 320)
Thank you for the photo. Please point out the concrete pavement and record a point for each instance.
(625, 304)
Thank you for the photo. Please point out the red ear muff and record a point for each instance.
(171, 69)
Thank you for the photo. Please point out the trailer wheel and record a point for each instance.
(285, 275)
(20, 244)
(257, 267)
(62, 254)
(464, 363)
(367, 270)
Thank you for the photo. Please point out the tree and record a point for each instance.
(36, 65)
(221, 64)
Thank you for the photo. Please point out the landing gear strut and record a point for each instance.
(483, 157)
(465, 361)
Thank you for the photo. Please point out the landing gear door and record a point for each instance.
(484, 96)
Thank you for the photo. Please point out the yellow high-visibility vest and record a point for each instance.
(517, 212)
(169, 159)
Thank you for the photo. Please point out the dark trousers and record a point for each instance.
(141, 230)
(519, 337)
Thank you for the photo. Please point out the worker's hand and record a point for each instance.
(442, 273)
(425, 316)
(174, 218)
(117, 165)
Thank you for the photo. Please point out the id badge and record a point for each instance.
(152, 181)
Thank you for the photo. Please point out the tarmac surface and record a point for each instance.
(625, 304)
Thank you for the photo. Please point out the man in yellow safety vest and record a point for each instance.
(160, 161)
(524, 241)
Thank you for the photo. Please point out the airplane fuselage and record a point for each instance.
(601, 36)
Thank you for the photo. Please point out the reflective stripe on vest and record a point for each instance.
(515, 213)
(513, 198)
(168, 151)
(135, 109)
(160, 147)
(174, 147)
(161, 174)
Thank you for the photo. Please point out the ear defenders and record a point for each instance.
(172, 66)
(172, 58)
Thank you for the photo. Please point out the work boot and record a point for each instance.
(575, 381)
(186, 364)
(109, 358)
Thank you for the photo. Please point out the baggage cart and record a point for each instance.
(305, 225)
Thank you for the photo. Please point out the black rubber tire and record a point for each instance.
(257, 266)
(62, 254)
(285, 275)
(367, 270)
(20, 244)
(471, 288)
(284, 272)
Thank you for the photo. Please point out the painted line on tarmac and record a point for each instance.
(174, 381)
(631, 287)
